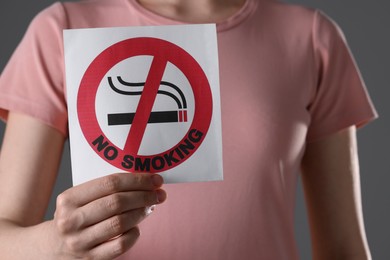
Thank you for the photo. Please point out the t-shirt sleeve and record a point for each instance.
(341, 99)
(32, 82)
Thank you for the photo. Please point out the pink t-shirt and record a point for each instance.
(287, 78)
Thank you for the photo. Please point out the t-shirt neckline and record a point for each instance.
(227, 24)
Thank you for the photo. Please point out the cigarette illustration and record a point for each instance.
(136, 89)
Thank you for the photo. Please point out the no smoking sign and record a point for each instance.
(144, 99)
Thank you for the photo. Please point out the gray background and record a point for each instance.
(366, 25)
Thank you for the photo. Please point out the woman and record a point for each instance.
(291, 98)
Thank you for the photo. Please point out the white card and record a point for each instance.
(144, 99)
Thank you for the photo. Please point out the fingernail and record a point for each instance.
(149, 210)
(161, 195)
(157, 180)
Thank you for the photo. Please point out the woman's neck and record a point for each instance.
(194, 11)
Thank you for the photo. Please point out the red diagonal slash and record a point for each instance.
(145, 105)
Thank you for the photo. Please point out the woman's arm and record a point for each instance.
(29, 161)
(330, 176)
(95, 220)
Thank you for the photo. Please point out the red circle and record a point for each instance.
(134, 47)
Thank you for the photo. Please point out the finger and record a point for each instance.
(112, 227)
(120, 182)
(115, 247)
(115, 204)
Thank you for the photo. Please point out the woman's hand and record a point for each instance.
(98, 219)
(95, 220)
